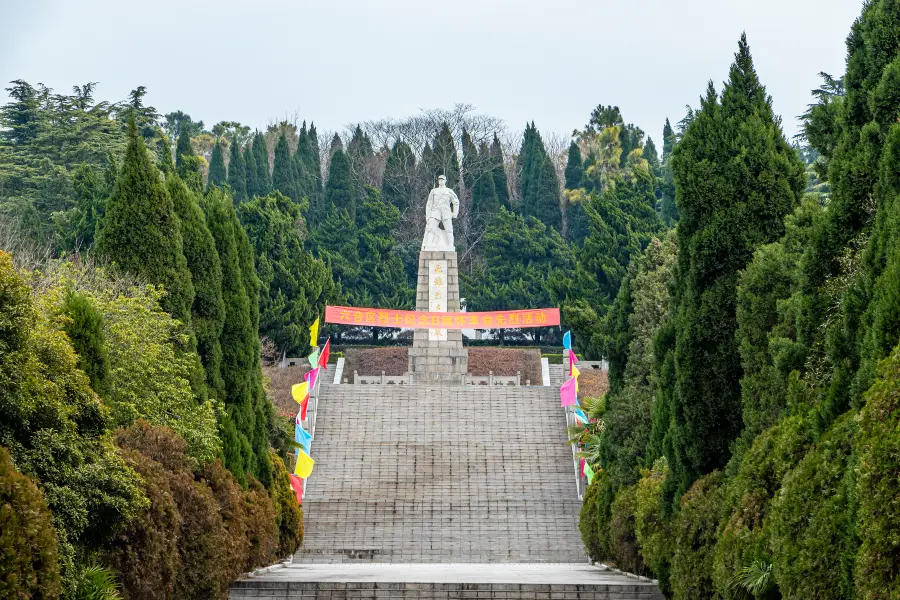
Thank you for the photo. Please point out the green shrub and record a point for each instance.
(622, 539)
(96, 582)
(878, 486)
(650, 526)
(234, 554)
(742, 539)
(288, 513)
(29, 562)
(553, 359)
(145, 554)
(262, 528)
(595, 516)
(84, 327)
(694, 532)
(812, 520)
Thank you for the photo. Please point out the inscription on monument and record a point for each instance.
(437, 295)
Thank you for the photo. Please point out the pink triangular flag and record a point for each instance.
(573, 360)
(567, 393)
(311, 377)
(581, 467)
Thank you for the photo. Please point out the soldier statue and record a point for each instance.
(442, 207)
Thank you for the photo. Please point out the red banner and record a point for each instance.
(411, 319)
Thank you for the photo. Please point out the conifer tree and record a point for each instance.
(261, 156)
(651, 156)
(540, 186)
(164, 154)
(668, 211)
(85, 330)
(728, 208)
(237, 174)
(576, 219)
(250, 170)
(499, 171)
(485, 203)
(141, 232)
(217, 174)
(443, 159)
(208, 309)
(293, 286)
(469, 161)
(316, 161)
(340, 192)
(361, 156)
(238, 341)
(284, 171)
(398, 183)
(183, 148)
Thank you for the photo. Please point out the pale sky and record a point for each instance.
(337, 62)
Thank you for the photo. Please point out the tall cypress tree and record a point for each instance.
(250, 171)
(667, 209)
(398, 184)
(540, 186)
(485, 203)
(381, 276)
(208, 309)
(263, 176)
(284, 172)
(444, 159)
(217, 174)
(183, 148)
(576, 219)
(237, 174)
(141, 232)
(316, 161)
(339, 189)
(738, 178)
(499, 171)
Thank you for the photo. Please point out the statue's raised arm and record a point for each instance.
(440, 210)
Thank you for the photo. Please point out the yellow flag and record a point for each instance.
(314, 333)
(304, 465)
(300, 391)
(575, 374)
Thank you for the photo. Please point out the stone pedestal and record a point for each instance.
(437, 355)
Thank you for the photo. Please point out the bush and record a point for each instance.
(145, 554)
(595, 517)
(694, 532)
(234, 554)
(622, 539)
(878, 487)
(650, 527)
(553, 359)
(29, 561)
(262, 528)
(743, 540)
(288, 513)
(812, 520)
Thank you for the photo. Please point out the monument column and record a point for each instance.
(437, 355)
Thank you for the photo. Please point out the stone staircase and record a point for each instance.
(431, 491)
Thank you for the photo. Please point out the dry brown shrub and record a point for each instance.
(506, 361)
(592, 383)
(278, 386)
(372, 361)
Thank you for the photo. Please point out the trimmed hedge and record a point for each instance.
(694, 533)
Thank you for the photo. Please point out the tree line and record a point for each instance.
(748, 444)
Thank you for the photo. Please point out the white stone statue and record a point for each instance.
(442, 207)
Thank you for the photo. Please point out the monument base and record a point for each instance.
(437, 355)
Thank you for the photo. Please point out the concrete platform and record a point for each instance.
(546, 581)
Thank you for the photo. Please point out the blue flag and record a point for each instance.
(302, 437)
(567, 340)
(579, 414)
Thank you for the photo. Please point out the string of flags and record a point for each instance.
(568, 395)
(300, 392)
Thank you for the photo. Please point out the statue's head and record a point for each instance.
(442, 180)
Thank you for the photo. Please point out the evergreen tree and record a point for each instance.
(667, 209)
(485, 203)
(470, 166)
(315, 160)
(398, 184)
(238, 341)
(499, 171)
(293, 286)
(141, 233)
(576, 219)
(217, 173)
(237, 173)
(263, 176)
(727, 209)
(651, 156)
(85, 330)
(183, 148)
(164, 154)
(250, 170)
(284, 172)
(443, 159)
(208, 309)
(361, 156)
(540, 186)
(339, 189)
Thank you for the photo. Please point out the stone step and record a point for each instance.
(437, 474)
(445, 582)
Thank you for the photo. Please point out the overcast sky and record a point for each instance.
(337, 62)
